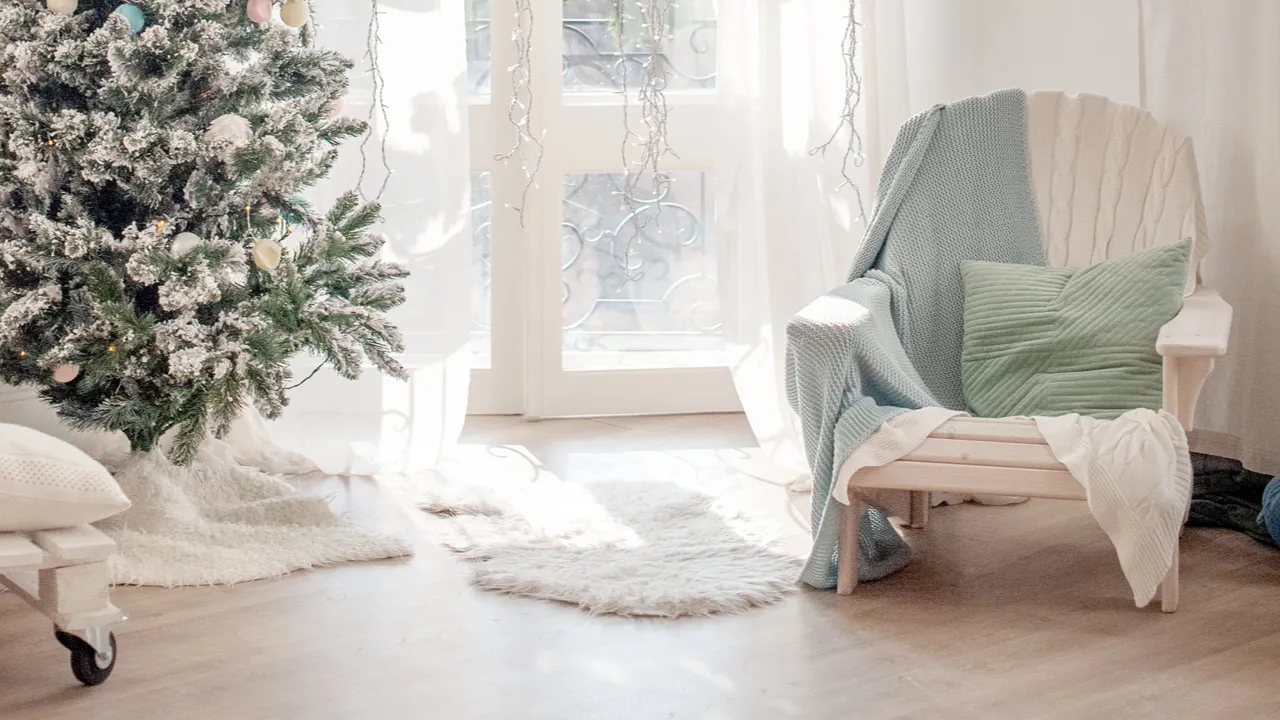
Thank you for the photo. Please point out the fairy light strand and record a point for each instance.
(377, 106)
(654, 144)
(853, 151)
(525, 144)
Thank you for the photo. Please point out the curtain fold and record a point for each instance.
(1210, 69)
(377, 424)
(786, 229)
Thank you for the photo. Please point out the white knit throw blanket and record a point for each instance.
(1136, 472)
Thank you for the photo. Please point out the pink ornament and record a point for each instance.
(66, 373)
(337, 108)
(259, 11)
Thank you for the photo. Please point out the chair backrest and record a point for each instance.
(1109, 180)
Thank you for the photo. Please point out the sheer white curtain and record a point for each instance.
(1211, 69)
(786, 233)
(787, 229)
(376, 424)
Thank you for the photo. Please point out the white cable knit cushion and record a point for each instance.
(46, 483)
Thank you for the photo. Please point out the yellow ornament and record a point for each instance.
(266, 254)
(62, 7)
(295, 13)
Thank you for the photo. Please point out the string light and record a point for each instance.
(653, 108)
(853, 156)
(22, 353)
(377, 105)
(111, 348)
(160, 224)
(520, 104)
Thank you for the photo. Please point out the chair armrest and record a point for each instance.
(1201, 329)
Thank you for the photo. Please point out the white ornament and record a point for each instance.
(66, 373)
(232, 128)
(62, 7)
(184, 243)
(295, 13)
(266, 254)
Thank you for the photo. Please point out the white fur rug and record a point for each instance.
(217, 522)
(626, 548)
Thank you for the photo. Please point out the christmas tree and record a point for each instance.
(158, 269)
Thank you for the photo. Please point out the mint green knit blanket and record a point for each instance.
(955, 187)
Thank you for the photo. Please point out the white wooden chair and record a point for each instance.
(1109, 180)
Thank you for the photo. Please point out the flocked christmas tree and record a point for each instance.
(157, 267)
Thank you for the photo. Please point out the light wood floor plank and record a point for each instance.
(1006, 612)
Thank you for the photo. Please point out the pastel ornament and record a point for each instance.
(184, 243)
(62, 7)
(66, 373)
(292, 215)
(232, 130)
(266, 254)
(295, 13)
(132, 15)
(259, 11)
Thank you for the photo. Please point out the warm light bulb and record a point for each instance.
(160, 224)
(22, 353)
(111, 348)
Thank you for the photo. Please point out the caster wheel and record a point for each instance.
(86, 665)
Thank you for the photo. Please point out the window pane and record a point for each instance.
(478, 47)
(594, 59)
(481, 267)
(640, 300)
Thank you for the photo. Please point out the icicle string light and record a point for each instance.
(654, 145)
(520, 105)
(377, 106)
(853, 157)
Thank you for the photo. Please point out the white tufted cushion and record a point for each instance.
(46, 483)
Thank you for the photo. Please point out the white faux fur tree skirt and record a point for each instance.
(216, 522)
(626, 548)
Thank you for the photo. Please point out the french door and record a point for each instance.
(594, 301)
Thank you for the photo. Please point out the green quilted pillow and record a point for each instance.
(1051, 341)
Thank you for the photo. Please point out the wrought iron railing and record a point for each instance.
(593, 60)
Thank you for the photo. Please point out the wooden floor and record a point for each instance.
(1006, 612)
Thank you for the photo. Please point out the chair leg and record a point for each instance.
(919, 514)
(847, 553)
(1169, 587)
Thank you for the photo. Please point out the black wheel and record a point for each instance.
(85, 664)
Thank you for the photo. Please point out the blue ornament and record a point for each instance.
(133, 15)
(289, 215)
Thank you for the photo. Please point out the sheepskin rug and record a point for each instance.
(217, 522)
(631, 548)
